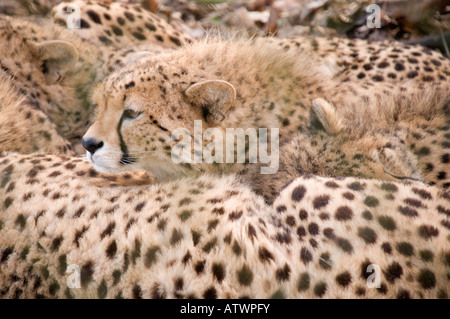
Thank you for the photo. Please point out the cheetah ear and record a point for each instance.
(216, 98)
(56, 58)
(324, 116)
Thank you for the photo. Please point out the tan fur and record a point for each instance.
(63, 97)
(119, 25)
(370, 65)
(55, 69)
(157, 87)
(274, 88)
(421, 120)
(212, 237)
(23, 128)
(25, 8)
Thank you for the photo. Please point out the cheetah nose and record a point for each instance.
(91, 145)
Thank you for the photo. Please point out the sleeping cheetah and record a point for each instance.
(351, 143)
(25, 8)
(169, 91)
(393, 67)
(228, 84)
(55, 70)
(31, 130)
(63, 237)
(421, 119)
(60, 90)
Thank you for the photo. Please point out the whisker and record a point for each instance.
(143, 152)
(139, 157)
(135, 166)
(125, 161)
(143, 157)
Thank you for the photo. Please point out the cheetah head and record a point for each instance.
(381, 154)
(41, 61)
(52, 68)
(139, 112)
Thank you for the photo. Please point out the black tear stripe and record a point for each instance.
(123, 147)
(157, 124)
(163, 128)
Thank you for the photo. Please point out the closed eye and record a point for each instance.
(131, 114)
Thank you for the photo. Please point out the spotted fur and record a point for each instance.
(39, 133)
(373, 63)
(213, 238)
(58, 107)
(255, 84)
(63, 99)
(115, 24)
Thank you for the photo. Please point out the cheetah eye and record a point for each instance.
(131, 114)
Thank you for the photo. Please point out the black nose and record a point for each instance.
(91, 144)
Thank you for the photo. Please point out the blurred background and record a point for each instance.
(425, 22)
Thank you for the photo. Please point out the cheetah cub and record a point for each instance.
(233, 84)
